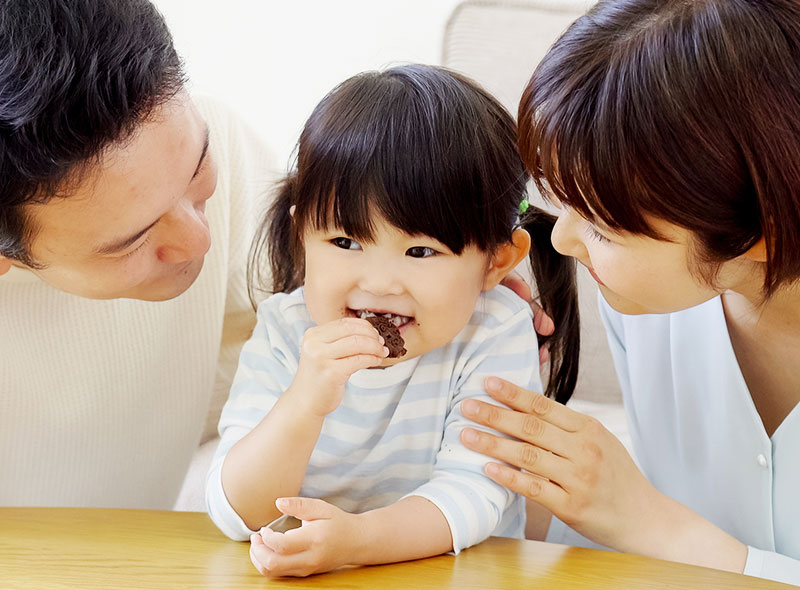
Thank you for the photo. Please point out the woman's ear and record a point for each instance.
(758, 252)
(507, 257)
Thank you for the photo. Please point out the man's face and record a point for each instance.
(136, 226)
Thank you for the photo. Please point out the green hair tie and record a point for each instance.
(523, 206)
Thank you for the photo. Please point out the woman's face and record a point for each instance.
(637, 274)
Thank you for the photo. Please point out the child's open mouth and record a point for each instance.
(398, 320)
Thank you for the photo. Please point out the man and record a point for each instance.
(126, 214)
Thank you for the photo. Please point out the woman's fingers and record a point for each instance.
(526, 427)
(536, 488)
(534, 404)
(520, 454)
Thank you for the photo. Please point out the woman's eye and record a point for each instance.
(420, 252)
(346, 244)
(596, 235)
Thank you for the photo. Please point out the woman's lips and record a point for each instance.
(595, 277)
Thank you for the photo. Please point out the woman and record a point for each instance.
(668, 131)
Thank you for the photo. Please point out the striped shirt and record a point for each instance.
(396, 431)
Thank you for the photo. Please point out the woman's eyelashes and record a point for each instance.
(596, 235)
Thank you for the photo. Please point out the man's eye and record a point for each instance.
(346, 244)
(420, 252)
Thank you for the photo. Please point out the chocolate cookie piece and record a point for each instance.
(391, 335)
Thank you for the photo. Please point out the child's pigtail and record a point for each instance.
(558, 293)
(276, 246)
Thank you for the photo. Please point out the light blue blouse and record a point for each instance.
(698, 437)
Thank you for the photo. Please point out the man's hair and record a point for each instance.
(76, 76)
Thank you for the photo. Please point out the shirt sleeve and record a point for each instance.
(266, 368)
(473, 504)
(772, 566)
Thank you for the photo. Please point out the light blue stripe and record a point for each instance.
(370, 468)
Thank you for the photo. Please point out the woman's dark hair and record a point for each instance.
(687, 112)
(75, 77)
(433, 154)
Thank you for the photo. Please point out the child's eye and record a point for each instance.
(346, 244)
(420, 252)
(596, 235)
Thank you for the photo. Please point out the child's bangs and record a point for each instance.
(380, 149)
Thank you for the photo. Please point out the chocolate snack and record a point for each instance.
(391, 335)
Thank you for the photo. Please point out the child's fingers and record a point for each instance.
(259, 554)
(357, 362)
(287, 543)
(355, 344)
(342, 327)
(297, 565)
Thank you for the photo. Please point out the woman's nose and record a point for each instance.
(566, 237)
(185, 235)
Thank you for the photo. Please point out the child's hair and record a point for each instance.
(435, 155)
(688, 112)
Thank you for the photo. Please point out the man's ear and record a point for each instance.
(507, 257)
(5, 265)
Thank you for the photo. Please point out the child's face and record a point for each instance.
(430, 291)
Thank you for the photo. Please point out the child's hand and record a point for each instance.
(330, 354)
(327, 540)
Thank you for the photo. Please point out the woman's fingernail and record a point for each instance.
(470, 435)
(282, 503)
(470, 407)
(492, 469)
(493, 384)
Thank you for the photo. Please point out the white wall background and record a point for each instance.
(272, 61)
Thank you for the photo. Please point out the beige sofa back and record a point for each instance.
(498, 43)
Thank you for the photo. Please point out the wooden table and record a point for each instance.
(59, 548)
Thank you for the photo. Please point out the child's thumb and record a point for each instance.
(305, 508)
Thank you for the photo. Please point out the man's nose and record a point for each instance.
(185, 235)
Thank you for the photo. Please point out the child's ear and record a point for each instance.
(5, 265)
(507, 257)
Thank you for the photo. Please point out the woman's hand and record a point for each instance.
(570, 464)
(566, 461)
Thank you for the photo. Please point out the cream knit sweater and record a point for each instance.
(103, 403)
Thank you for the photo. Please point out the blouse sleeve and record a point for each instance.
(772, 566)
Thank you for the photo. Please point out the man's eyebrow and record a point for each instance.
(203, 155)
(120, 245)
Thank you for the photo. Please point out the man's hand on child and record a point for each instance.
(542, 322)
(322, 544)
(330, 354)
